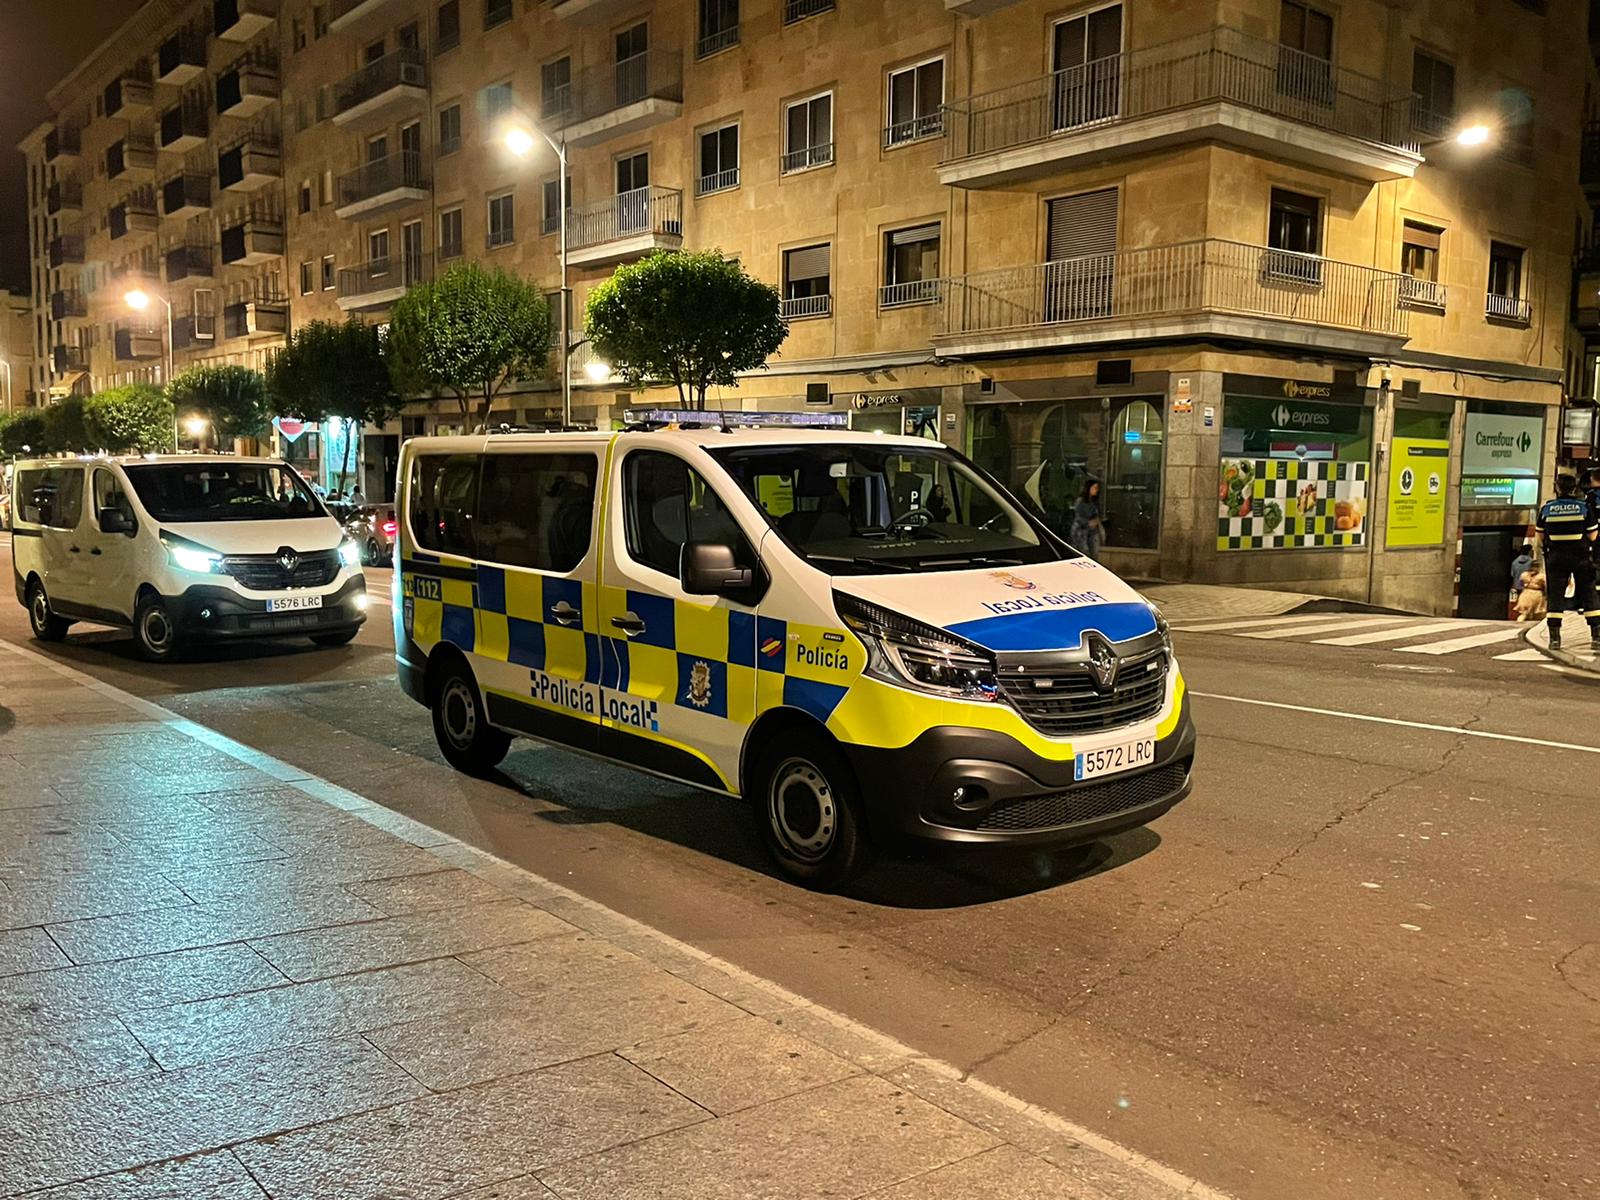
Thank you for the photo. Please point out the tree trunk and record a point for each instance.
(350, 430)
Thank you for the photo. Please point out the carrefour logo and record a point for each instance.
(1525, 442)
(1284, 417)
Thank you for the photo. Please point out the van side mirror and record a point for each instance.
(115, 520)
(712, 569)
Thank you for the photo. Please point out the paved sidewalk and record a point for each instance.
(221, 979)
(1197, 601)
(1574, 640)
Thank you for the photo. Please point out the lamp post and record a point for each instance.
(139, 300)
(10, 398)
(519, 140)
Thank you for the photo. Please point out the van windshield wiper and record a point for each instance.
(859, 561)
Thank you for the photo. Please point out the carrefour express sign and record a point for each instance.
(1497, 445)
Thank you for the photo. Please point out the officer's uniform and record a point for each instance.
(1565, 525)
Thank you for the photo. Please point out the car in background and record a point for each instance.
(372, 527)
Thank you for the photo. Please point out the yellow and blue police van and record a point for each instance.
(865, 636)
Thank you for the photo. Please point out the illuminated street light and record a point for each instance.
(597, 371)
(138, 299)
(519, 139)
(1473, 135)
(520, 142)
(195, 426)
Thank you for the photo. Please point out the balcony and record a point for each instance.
(1422, 295)
(138, 340)
(186, 195)
(252, 240)
(628, 225)
(63, 144)
(1209, 289)
(976, 8)
(624, 97)
(68, 303)
(1507, 310)
(134, 221)
(68, 248)
(717, 181)
(588, 11)
(193, 261)
(193, 329)
(66, 359)
(806, 158)
(251, 318)
(247, 88)
(143, 275)
(354, 15)
(377, 187)
(128, 97)
(799, 10)
(378, 93)
(64, 196)
(379, 283)
(183, 127)
(1221, 86)
(1589, 159)
(799, 308)
(717, 41)
(182, 57)
(250, 164)
(131, 159)
(241, 20)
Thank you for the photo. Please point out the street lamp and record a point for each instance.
(520, 141)
(1473, 135)
(139, 300)
(597, 371)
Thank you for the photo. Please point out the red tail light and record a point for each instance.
(390, 528)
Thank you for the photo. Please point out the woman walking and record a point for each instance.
(1086, 533)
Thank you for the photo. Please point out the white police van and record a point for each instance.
(866, 636)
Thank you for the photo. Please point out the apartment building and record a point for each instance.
(1233, 258)
(17, 376)
(160, 172)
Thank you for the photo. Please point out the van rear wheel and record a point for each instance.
(808, 811)
(47, 627)
(461, 725)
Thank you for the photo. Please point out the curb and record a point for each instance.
(1566, 658)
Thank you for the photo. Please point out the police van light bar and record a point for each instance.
(749, 420)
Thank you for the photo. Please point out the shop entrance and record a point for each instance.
(911, 420)
(1486, 556)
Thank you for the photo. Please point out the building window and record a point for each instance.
(808, 133)
(807, 281)
(448, 26)
(1294, 233)
(496, 12)
(498, 100)
(632, 64)
(378, 251)
(502, 221)
(319, 21)
(555, 87)
(916, 95)
(1504, 301)
(297, 28)
(1305, 66)
(910, 266)
(719, 160)
(1433, 82)
(308, 278)
(327, 272)
(550, 221)
(409, 36)
(1419, 267)
(449, 129)
(374, 51)
(719, 26)
(450, 234)
(305, 196)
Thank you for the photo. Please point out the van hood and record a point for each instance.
(1046, 606)
(302, 534)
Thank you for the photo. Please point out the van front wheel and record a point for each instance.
(47, 627)
(808, 811)
(461, 726)
(155, 634)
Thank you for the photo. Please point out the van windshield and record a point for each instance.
(222, 491)
(860, 508)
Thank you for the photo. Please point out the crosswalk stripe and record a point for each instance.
(1451, 645)
(1214, 626)
(1529, 655)
(1390, 635)
(1326, 627)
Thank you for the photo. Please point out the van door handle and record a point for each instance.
(565, 614)
(96, 550)
(75, 549)
(630, 624)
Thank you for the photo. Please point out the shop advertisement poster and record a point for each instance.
(1287, 504)
(1498, 446)
(1418, 470)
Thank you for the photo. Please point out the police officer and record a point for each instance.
(1567, 528)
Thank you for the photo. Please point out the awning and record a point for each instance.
(65, 385)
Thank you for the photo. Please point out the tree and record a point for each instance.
(136, 417)
(333, 370)
(694, 319)
(469, 332)
(66, 425)
(231, 398)
(24, 432)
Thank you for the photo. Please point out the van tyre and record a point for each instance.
(808, 811)
(374, 556)
(461, 726)
(155, 633)
(47, 627)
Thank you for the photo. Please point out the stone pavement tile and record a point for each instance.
(474, 1047)
(57, 1139)
(1004, 1173)
(164, 848)
(24, 950)
(420, 893)
(102, 938)
(844, 1139)
(49, 853)
(526, 1188)
(557, 963)
(230, 1026)
(133, 983)
(442, 1145)
(68, 1054)
(16, 795)
(75, 897)
(410, 937)
(206, 883)
(217, 1176)
(738, 1064)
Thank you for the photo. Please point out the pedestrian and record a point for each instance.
(1532, 603)
(356, 498)
(1594, 492)
(1520, 566)
(1566, 532)
(1087, 530)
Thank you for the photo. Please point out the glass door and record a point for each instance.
(1087, 56)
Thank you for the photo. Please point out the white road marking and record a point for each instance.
(1390, 635)
(1376, 720)
(1214, 626)
(1451, 645)
(1326, 627)
(1528, 655)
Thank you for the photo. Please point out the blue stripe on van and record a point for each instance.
(1058, 628)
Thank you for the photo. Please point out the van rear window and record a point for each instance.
(442, 499)
(533, 510)
(52, 496)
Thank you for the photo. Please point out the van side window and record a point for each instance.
(52, 497)
(536, 510)
(108, 493)
(443, 500)
(667, 503)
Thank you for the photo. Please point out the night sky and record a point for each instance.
(40, 42)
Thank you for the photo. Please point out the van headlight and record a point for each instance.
(191, 556)
(911, 654)
(350, 553)
(1163, 629)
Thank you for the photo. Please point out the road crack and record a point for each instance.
(1561, 972)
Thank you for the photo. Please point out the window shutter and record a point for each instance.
(920, 233)
(809, 262)
(1421, 235)
(1082, 225)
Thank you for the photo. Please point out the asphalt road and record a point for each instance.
(1362, 960)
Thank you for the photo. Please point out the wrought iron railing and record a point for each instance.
(799, 10)
(655, 74)
(912, 291)
(1507, 308)
(807, 157)
(1422, 293)
(385, 274)
(656, 210)
(717, 181)
(717, 40)
(402, 169)
(914, 129)
(399, 68)
(805, 306)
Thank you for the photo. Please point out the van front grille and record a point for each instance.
(1090, 802)
(1063, 702)
(264, 573)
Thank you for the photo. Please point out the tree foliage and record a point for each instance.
(333, 370)
(232, 398)
(24, 427)
(136, 417)
(469, 332)
(66, 425)
(694, 319)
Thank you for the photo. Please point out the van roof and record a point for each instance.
(139, 460)
(706, 437)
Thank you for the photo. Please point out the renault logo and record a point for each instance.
(1102, 661)
(288, 560)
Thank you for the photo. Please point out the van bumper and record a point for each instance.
(1011, 796)
(205, 613)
